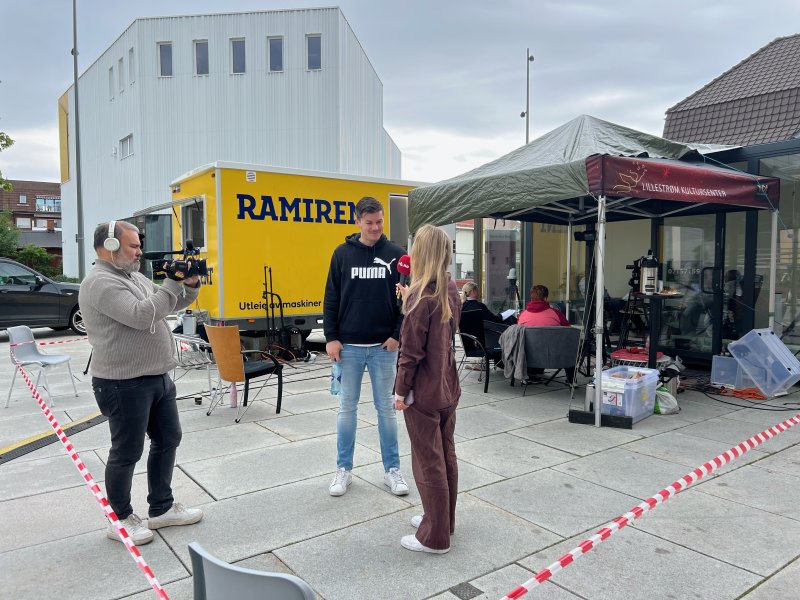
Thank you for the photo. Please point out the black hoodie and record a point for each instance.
(360, 296)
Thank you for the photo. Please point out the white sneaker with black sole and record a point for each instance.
(137, 531)
(178, 514)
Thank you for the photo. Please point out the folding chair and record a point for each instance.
(24, 348)
(233, 368)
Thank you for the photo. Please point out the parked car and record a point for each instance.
(29, 298)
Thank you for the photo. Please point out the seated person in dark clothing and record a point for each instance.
(470, 296)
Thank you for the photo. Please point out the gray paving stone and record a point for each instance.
(787, 461)
(533, 409)
(306, 425)
(468, 399)
(310, 402)
(25, 478)
(221, 441)
(372, 549)
(557, 502)
(689, 450)
(733, 432)
(242, 527)
(498, 584)
(628, 472)
(237, 474)
(182, 589)
(764, 489)
(17, 427)
(510, 455)
(783, 584)
(633, 565)
(114, 574)
(725, 530)
(657, 424)
(576, 439)
(368, 436)
(480, 421)
(696, 409)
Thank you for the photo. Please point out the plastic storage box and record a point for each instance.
(727, 372)
(769, 363)
(623, 396)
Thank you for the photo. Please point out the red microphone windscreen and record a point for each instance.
(404, 265)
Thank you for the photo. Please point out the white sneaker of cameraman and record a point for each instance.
(393, 479)
(178, 514)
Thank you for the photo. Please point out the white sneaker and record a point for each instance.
(393, 478)
(178, 514)
(415, 521)
(410, 542)
(137, 531)
(340, 482)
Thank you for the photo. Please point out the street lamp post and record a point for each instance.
(79, 237)
(527, 112)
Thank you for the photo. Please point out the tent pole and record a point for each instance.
(599, 323)
(569, 265)
(773, 260)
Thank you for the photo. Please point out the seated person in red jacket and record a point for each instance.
(539, 313)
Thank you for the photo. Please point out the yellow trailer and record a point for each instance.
(250, 221)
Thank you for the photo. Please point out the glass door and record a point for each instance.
(688, 256)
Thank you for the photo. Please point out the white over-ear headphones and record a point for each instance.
(111, 243)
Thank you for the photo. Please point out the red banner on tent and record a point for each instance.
(628, 177)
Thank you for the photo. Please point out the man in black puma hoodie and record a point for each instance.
(362, 328)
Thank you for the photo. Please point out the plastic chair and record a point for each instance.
(26, 351)
(226, 347)
(215, 579)
(480, 339)
(553, 347)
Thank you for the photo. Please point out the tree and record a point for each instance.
(38, 259)
(5, 142)
(9, 236)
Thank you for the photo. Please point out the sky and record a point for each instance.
(453, 71)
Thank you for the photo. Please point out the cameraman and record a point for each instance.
(124, 313)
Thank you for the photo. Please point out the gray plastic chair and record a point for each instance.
(217, 580)
(28, 353)
(552, 347)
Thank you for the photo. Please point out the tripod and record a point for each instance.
(587, 349)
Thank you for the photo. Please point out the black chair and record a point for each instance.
(480, 339)
(552, 348)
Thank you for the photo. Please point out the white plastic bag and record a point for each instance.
(665, 404)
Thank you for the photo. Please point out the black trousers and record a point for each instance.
(135, 407)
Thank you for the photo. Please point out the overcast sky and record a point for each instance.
(453, 71)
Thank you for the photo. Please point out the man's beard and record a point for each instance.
(131, 267)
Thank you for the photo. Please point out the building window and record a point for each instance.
(23, 222)
(201, 57)
(23, 199)
(275, 53)
(165, 59)
(126, 146)
(314, 52)
(237, 56)
(41, 224)
(111, 83)
(121, 76)
(131, 74)
(48, 204)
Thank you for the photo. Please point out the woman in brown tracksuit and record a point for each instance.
(427, 368)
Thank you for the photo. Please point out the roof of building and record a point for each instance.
(756, 101)
(42, 239)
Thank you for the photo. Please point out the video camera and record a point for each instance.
(177, 269)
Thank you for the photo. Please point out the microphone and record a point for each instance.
(404, 268)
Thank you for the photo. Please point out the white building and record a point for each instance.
(289, 88)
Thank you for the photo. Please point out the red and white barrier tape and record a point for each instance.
(678, 486)
(80, 339)
(95, 489)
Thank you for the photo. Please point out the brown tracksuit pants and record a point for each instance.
(433, 461)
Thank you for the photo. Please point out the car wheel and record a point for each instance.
(76, 321)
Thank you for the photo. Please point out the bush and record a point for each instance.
(38, 259)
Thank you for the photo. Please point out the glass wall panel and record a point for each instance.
(501, 265)
(787, 305)
(465, 253)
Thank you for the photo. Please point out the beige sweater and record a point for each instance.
(125, 321)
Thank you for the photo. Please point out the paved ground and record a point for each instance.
(532, 486)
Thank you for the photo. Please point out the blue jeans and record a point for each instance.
(135, 407)
(382, 366)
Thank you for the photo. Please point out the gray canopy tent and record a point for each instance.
(593, 171)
